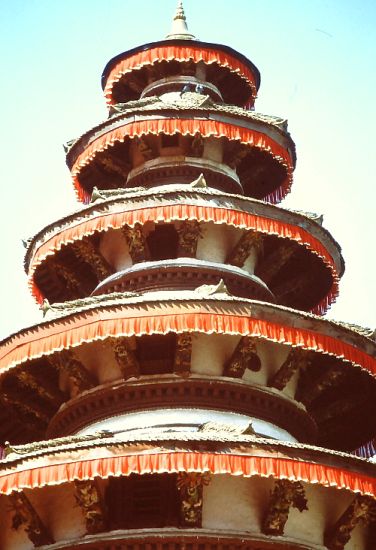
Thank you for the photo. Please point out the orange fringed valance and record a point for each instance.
(178, 53)
(154, 318)
(68, 470)
(185, 127)
(183, 211)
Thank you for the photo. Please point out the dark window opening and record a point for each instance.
(170, 141)
(156, 353)
(138, 501)
(163, 242)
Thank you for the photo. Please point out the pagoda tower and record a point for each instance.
(183, 390)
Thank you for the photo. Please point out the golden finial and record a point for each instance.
(179, 27)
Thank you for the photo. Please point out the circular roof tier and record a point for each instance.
(323, 370)
(253, 151)
(276, 481)
(127, 75)
(291, 253)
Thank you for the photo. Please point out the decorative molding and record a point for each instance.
(88, 498)
(244, 357)
(286, 494)
(26, 516)
(138, 249)
(249, 240)
(190, 486)
(167, 390)
(362, 509)
(86, 251)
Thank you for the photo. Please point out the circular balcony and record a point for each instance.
(184, 274)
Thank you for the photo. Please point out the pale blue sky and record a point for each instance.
(317, 64)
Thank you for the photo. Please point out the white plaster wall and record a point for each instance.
(210, 352)
(10, 538)
(272, 355)
(114, 249)
(235, 503)
(217, 241)
(213, 149)
(59, 511)
(325, 506)
(99, 359)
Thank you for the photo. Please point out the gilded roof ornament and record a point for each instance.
(179, 27)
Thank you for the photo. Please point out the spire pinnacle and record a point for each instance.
(179, 27)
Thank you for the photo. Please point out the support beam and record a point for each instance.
(88, 498)
(332, 375)
(42, 387)
(273, 262)
(144, 148)
(138, 249)
(182, 361)
(70, 279)
(188, 234)
(125, 357)
(114, 165)
(297, 359)
(234, 154)
(86, 251)
(302, 282)
(25, 516)
(285, 495)
(244, 357)
(190, 486)
(362, 509)
(243, 248)
(64, 361)
(197, 146)
(33, 413)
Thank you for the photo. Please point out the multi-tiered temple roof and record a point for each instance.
(183, 389)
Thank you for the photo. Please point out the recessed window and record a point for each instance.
(156, 353)
(163, 242)
(138, 501)
(170, 141)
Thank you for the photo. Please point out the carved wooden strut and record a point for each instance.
(86, 251)
(362, 509)
(243, 248)
(138, 249)
(125, 357)
(88, 498)
(190, 486)
(286, 494)
(244, 357)
(26, 516)
(182, 361)
(188, 233)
